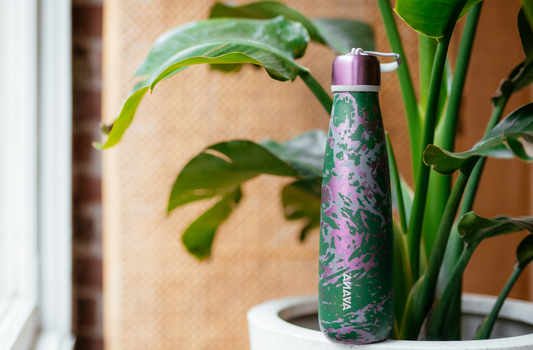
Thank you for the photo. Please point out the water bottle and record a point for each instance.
(356, 294)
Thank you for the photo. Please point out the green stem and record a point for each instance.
(397, 184)
(419, 203)
(445, 227)
(438, 318)
(459, 78)
(422, 296)
(317, 89)
(485, 328)
(471, 189)
(447, 133)
(426, 48)
(456, 244)
(406, 84)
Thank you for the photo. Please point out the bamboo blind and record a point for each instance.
(159, 297)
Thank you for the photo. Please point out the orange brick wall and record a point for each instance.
(86, 174)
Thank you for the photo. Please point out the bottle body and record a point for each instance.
(356, 249)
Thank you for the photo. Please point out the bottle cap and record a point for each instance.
(360, 70)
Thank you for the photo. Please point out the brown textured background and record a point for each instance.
(159, 297)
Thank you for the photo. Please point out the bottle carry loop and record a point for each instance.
(385, 67)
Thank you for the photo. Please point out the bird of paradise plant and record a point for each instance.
(428, 239)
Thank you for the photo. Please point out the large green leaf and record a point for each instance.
(340, 34)
(265, 10)
(430, 17)
(199, 236)
(301, 200)
(305, 153)
(273, 44)
(220, 170)
(208, 175)
(473, 228)
(344, 34)
(509, 138)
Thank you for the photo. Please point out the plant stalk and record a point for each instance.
(471, 189)
(317, 89)
(422, 181)
(459, 77)
(438, 317)
(418, 310)
(427, 48)
(447, 133)
(456, 244)
(485, 328)
(397, 184)
(406, 84)
(437, 254)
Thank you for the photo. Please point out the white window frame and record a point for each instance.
(35, 175)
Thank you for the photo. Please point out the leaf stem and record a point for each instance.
(317, 89)
(486, 326)
(397, 184)
(438, 317)
(422, 181)
(459, 78)
(448, 133)
(471, 189)
(422, 294)
(456, 244)
(406, 84)
(441, 240)
(419, 308)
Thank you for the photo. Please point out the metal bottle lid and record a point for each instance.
(360, 70)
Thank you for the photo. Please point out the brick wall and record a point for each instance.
(86, 172)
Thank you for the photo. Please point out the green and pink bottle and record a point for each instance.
(356, 294)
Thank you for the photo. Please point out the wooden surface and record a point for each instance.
(159, 297)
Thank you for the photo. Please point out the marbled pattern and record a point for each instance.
(355, 283)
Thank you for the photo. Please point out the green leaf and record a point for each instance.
(430, 18)
(524, 252)
(473, 228)
(301, 200)
(265, 10)
(220, 170)
(199, 236)
(208, 175)
(509, 138)
(273, 44)
(340, 34)
(305, 153)
(527, 6)
(124, 119)
(522, 75)
(344, 34)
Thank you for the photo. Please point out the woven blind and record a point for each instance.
(157, 295)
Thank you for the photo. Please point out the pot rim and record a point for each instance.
(270, 316)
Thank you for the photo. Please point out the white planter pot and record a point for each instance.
(292, 324)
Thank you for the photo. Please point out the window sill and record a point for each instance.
(55, 341)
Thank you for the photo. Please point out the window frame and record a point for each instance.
(35, 184)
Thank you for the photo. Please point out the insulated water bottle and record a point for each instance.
(355, 274)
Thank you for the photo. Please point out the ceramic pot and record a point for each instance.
(292, 324)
